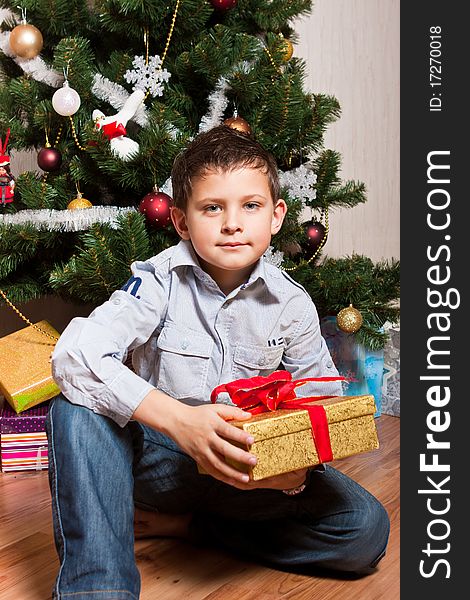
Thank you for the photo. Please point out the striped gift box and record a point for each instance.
(24, 452)
(23, 441)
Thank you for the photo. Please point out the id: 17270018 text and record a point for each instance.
(435, 68)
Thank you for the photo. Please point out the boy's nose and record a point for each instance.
(231, 223)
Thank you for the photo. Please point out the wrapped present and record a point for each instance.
(363, 368)
(294, 433)
(391, 378)
(24, 453)
(23, 441)
(25, 366)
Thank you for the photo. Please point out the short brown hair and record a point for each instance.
(220, 148)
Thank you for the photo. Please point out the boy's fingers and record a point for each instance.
(231, 412)
(219, 469)
(228, 450)
(235, 434)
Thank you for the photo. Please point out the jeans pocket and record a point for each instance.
(183, 361)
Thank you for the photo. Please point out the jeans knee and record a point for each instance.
(367, 541)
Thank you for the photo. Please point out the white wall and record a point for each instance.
(352, 52)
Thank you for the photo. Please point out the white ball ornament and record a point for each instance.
(66, 101)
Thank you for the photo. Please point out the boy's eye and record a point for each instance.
(251, 205)
(212, 208)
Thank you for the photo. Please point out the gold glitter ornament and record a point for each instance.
(79, 202)
(349, 319)
(288, 50)
(238, 123)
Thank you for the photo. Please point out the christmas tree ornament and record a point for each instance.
(156, 206)
(7, 181)
(301, 182)
(66, 101)
(49, 159)
(223, 5)
(113, 127)
(79, 202)
(25, 39)
(314, 238)
(349, 319)
(148, 75)
(238, 123)
(288, 50)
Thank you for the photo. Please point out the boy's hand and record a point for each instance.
(202, 432)
(205, 434)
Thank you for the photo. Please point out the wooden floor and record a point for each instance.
(173, 570)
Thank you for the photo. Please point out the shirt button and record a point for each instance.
(184, 344)
(117, 301)
(329, 365)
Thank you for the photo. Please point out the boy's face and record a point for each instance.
(230, 218)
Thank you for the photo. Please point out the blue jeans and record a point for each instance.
(98, 471)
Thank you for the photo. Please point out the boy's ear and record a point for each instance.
(280, 210)
(178, 218)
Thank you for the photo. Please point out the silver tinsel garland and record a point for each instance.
(66, 220)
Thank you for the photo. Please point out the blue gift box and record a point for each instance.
(354, 361)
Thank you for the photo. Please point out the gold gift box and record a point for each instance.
(25, 366)
(284, 442)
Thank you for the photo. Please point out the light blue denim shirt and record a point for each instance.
(188, 337)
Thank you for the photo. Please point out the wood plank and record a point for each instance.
(172, 569)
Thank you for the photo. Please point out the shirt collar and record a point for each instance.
(184, 255)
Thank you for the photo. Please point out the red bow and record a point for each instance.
(113, 130)
(262, 394)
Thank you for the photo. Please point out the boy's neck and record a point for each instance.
(227, 280)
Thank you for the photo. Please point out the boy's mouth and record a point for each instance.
(232, 245)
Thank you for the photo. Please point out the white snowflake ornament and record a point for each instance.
(274, 257)
(148, 77)
(300, 182)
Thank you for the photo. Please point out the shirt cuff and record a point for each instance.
(128, 391)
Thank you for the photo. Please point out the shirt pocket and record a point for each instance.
(252, 360)
(183, 362)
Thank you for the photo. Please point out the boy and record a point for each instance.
(201, 313)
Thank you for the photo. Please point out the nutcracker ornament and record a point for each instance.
(114, 126)
(7, 181)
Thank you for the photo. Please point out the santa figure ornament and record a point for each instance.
(7, 182)
(114, 126)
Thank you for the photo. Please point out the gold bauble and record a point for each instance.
(26, 41)
(349, 319)
(288, 50)
(239, 124)
(78, 203)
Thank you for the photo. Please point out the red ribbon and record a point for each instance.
(113, 130)
(277, 390)
(3, 146)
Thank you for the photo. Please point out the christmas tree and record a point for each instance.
(107, 93)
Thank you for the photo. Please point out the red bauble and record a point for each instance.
(223, 4)
(156, 208)
(315, 234)
(49, 159)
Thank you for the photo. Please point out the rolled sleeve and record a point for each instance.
(88, 360)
